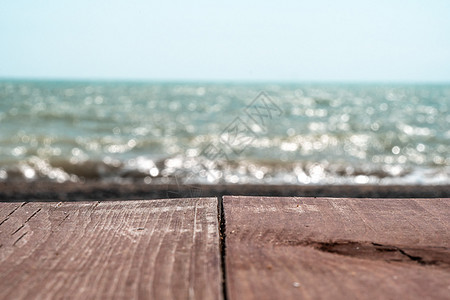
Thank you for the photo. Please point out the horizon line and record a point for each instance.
(213, 81)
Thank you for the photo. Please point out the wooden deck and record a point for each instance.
(306, 248)
(159, 249)
(264, 248)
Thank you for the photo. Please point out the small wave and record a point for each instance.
(178, 169)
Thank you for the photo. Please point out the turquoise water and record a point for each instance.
(163, 133)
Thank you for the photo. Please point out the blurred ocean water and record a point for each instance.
(205, 133)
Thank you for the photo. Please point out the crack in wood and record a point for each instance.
(93, 207)
(35, 213)
(437, 256)
(15, 231)
(417, 259)
(222, 245)
(65, 218)
(4, 220)
(20, 237)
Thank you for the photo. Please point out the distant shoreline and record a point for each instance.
(100, 191)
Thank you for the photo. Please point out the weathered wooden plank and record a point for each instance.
(158, 249)
(307, 248)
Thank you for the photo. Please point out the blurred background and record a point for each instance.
(139, 91)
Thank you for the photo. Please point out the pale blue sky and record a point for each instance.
(228, 40)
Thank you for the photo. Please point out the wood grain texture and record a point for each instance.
(158, 249)
(325, 248)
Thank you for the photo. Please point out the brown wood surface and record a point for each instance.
(158, 249)
(325, 248)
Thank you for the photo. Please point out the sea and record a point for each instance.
(225, 133)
